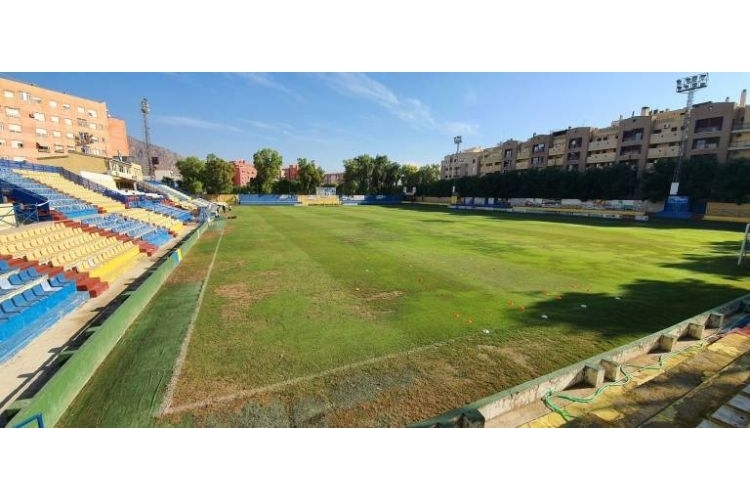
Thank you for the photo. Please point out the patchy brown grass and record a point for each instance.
(393, 393)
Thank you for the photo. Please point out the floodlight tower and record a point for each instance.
(687, 85)
(457, 141)
(146, 109)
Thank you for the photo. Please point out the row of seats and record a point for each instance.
(117, 223)
(168, 223)
(72, 248)
(63, 185)
(173, 212)
(267, 199)
(70, 207)
(30, 303)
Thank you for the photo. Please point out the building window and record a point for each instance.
(2, 142)
(709, 125)
(40, 132)
(91, 113)
(12, 111)
(92, 126)
(68, 121)
(53, 104)
(16, 144)
(56, 133)
(711, 143)
(12, 127)
(19, 158)
(24, 96)
(54, 119)
(9, 94)
(70, 135)
(59, 148)
(81, 122)
(38, 116)
(66, 106)
(36, 99)
(633, 135)
(80, 109)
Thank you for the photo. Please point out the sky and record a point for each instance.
(411, 117)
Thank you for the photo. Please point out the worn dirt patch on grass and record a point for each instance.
(241, 291)
(384, 296)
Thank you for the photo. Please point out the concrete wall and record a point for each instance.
(728, 210)
(478, 412)
(59, 392)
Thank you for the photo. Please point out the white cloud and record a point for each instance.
(186, 121)
(408, 109)
(265, 80)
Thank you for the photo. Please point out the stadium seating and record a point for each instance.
(71, 249)
(267, 199)
(172, 225)
(30, 303)
(58, 202)
(160, 208)
(63, 185)
(119, 223)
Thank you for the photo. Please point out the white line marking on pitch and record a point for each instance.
(169, 395)
(296, 380)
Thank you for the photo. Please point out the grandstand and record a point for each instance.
(72, 241)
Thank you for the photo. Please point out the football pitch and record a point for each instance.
(386, 316)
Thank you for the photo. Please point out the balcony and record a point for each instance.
(555, 162)
(522, 164)
(712, 145)
(735, 146)
(557, 149)
(599, 145)
(601, 157)
(708, 130)
(742, 127)
(632, 139)
(664, 152)
(523, 154)
(665, 137)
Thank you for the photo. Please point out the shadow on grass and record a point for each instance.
(644, 307)
(722, 261)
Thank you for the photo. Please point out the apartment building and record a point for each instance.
(462, 164)
(739, 143)
(244, 172)
(37, 122)
(716, 130)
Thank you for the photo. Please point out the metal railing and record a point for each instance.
(739, 145)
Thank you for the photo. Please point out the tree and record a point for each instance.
(268, 164)
(191, 170)
(217, 175)
(285, 186)
(428, 174)
(410, 175)
(367, 175)
(310, 175)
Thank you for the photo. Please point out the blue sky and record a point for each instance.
(328, 117)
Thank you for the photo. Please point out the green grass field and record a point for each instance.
(376, 316)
